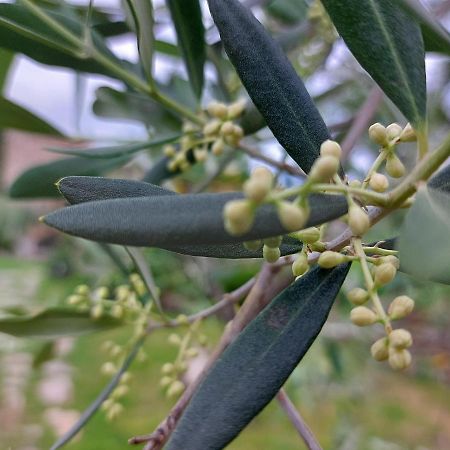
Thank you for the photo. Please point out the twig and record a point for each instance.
(266, 287)
(361, 120)
(300, 425)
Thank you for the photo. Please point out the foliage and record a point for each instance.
(206, 122)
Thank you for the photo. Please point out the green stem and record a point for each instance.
(375, 166)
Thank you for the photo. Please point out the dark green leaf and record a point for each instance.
(441, 180)
(54, 323)
(14, 116)
(114, 151)
(22, 32)
(39, 181)
(177, 220)
(255, 366)
(133, 106)
(6, 59)
(87, 189)
(142, 13)
(389, 45)
(271, 82)
(435, 36)
(289, 11)
(187, 18)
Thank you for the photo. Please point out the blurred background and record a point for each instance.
(349, 401)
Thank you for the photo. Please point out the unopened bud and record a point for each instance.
(384, 274)
(300, 265)
(191, 352)
(82, 289)
(391, 259)
(218, 147)
(378, 134)
(358, 220)
(182, 319)
(358, 296)
(165, 381)
(308, 235)
(362, 316)
(174, 339)
(212, 127)
(238, 215)
(408, 134)
(169, 151)
(120, 391)
(331, 148)
(76, 299)
(117, 311)
(167, 368)
(236, 109)
(238, 132)
(355, 184)
(400, 307)
(380, 349)
(329, 259)
(253, 246)
(258, 186)
(97, 311)
(270, 254)
(227, 128)
(394, 167)
(200, 154)
(175, 389)
(378, 182)
(114, 411)
(108, 368)
(399, 359)
(400, 338)
(217, 109)
(324, 168)
(273, 242)
(291, 216)
(393, 131)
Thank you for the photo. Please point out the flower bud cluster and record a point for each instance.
(188, 348)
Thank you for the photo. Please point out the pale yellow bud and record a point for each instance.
(362, 316)
(400, 307)
(227, 128)
(76, 299)
(308, 235)
(236, 109)
(257, 189)
(191, 352)
(188, 127)
(175, 389)
(324, 168)
(182, 319)
(253, 246)
(355, 184)
(167, 368)
(380, 349)
(400, 339)
(391, 259)
(273, 242)
(384, 274)
(408, 134)
(270, 254)
(200, 154)
(165, 381)
(331, 148)
(186, 143)
(378, 182)
(114, 411)
(218, 110)
(174, 339)
(126, 377)
(399, 359)
(378, 134)
(238, 132)
(108, 368)
(102, 293)
(291, 216)
(329, 259)
(394, 167)
(169, 150)
(300, 265)
(358, 296)
(358, 220)
(212, 127)
(393, 131)
(218, 147)
(238, 215)
(120, 391)
(262, 174)
(82, 289)
(97, 311)
(117, 311)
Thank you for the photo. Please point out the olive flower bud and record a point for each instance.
(358, 220)
(378, 134)
(324, 168)
(291, 216)
(393, 131)
(380, 349)
(358, 296)
(329, 259)
(400, 307)
(362, 316)
(399, 359)
(378, 182)
(270, 254)
(400, 338)
(331, 148)
(384, 274)
(300, 265)
(394, 167)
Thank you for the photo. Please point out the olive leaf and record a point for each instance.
(39, 181)
(55, 322)
(435, 36)
(255, 366)
(87, 189)
(389, 45)
(271, 81)
(187, 18)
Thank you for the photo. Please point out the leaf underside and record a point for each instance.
(389, 46)
(255, 366)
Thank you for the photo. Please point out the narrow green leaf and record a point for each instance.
(39, 181)
(142, 12)
(289, 11)
(271, 82)
(55, 322)
(187, 18)
(14, 116)
(389, 45)
(87, 189)
(423, 244)
(436, 37)
(113, 151)
(255, 366)
(177, 220)
(6, 58)
(21, 32)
